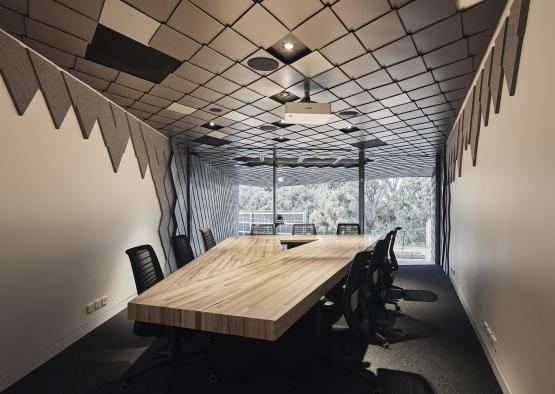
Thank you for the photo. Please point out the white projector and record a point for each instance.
(307, 113)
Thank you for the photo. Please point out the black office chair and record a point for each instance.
(304, 229)
(390, 264)
(207, 238)
(182, 250)
(147, 272)
(357, 319)
(263, 229)
(348, 229)
(392, 257)
(381, 320)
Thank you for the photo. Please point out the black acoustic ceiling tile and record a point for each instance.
(88, 104)
(417, 81)
(438, 35)
(117, 51)
(513, 43)
(456, 83)
(53, 88)
(207, 140)
(407, 69)
(396, 52)
(482, 16)
(115, 131)
(373, 143)
(485, 93)
(453, 70)
(422, 13)
(447, 54)
(17, 70)
(478, 43)
(138, 144)
(496, 78)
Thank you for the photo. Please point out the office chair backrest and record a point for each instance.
(374, 276)
(207, 238)
(353, 304)
(263, 229)
(348, 229)
(392, 257)
(146, 267)
(182, 250)
(304, 229)
(386, 266)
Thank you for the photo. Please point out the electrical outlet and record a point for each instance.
(493, 340)
(97, 304)
(104, 301)
(90, 308)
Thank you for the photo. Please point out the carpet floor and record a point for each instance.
(435, 342)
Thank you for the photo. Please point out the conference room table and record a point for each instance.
(250, 286)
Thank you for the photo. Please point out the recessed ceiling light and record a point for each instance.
(183, 109)
(285, 93)
(288, 46)
(212, 124)
(280, 179)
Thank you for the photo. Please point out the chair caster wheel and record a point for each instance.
(212, 378)
(124, 387)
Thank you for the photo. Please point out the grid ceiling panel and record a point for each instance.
(402, 66)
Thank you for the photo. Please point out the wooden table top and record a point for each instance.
(247, 286)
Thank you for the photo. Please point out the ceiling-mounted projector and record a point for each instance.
(307, 113)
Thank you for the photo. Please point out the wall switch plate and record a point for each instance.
(97, 304)
(493, 339)
(90, 308)
(104, 301)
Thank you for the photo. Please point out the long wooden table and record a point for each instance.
(248, 286)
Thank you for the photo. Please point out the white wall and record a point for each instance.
(65, 221)
(503, 220)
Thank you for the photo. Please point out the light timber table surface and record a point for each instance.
(248, 286)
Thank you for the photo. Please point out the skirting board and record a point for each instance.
(487, 351)
(39, 358)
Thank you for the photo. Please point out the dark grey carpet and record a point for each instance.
(436, 341)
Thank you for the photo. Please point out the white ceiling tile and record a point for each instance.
(182, 109)
(320, 30)
(128, 21)
(259, 26)
(312, 65)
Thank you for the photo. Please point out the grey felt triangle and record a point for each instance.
(18, 73)
(115, 131)
(138, 144)
(53, 88)
(88, 104)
